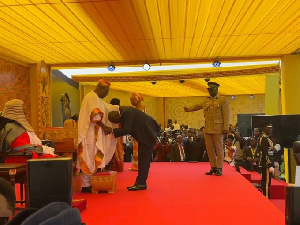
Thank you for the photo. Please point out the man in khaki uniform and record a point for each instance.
(216, 113)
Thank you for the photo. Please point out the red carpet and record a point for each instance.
(180, 193)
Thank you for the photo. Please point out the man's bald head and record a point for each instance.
(114, 116)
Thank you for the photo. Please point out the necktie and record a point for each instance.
(181, 151)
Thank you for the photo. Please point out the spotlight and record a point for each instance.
(251, 96)
(216, 63)
(232, 96)
(207, 79)
(181, 81)
(111, 67)
(153, 82)
(146, 66)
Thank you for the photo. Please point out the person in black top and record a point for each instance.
(250, 155)
(145, 130)
(197, 148)
(267, 168)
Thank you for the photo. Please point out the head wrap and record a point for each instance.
(13, 110)
(103, 83)
(137, 96)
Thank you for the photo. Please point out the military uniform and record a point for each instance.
(264, 145)
(216, 113)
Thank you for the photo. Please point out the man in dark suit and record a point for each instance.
(251, 155)
(145, 130)
(177, 150)
(197, 148)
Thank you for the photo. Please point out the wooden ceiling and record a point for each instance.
(85, 31)
(74, 33)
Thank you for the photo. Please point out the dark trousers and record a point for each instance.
(145, 155)
(266, 177)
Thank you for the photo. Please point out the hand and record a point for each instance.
(107, 130)
(271, 170)
(225, 132)
(186, 109)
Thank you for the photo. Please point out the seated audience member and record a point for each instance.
(197, 148)
(257, 134)
(163, 149)
(239, 144)
(183, 134)
(187, 144)
(176, 125)
(251, 155)
(177, 150)
(128, 148)
(277, 159)
(229, 150)
(7, 201)
(58, 213)
(16, 134)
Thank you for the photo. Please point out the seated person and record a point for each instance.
(58, 213)
(229, 150)
(187, 141)
(7, 201)
(251, 155)
(16, 134)
(163, 149)
(197, 148)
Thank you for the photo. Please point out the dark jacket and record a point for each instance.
(139, 125)
(249, 164)
(175, 152)
(263, 147)
(162, 151)
(197, 150)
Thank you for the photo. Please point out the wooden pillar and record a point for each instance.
(40, 96)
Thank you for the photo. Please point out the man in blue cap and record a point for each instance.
(217, 113)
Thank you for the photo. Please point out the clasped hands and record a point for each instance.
(107, 130)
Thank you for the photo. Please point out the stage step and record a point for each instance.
(277, 189)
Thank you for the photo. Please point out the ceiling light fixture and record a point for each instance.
(111, 67)
(146, 66)
(232, 96)
(216, 63)
(181, 81)
(251, 96)
(153, 82)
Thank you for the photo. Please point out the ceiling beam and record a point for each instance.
(244, 72)
(164, 62)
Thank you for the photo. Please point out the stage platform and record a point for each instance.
(180, 193)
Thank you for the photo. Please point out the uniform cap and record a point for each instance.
(267, 124)
(213, 85)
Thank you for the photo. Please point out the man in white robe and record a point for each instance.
(95, 149)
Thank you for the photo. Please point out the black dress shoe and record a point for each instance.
(219, 172)
(86, 189)
(137, 187)
(212, 171)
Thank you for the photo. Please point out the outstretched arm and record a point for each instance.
(193, 108)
